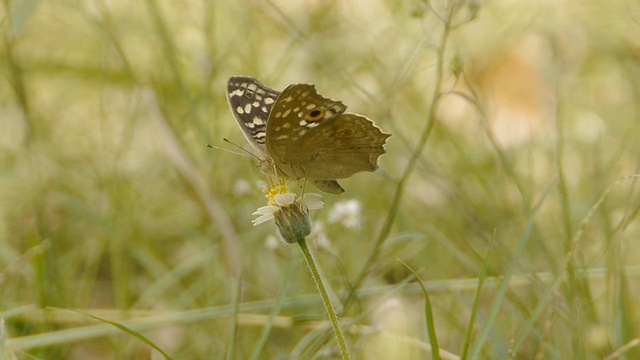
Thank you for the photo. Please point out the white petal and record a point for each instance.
(267, 209)
(262, 219)
(312, 201)
(284, 199)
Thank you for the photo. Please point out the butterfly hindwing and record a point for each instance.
(356, 146)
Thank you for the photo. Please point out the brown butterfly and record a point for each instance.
(304, 134)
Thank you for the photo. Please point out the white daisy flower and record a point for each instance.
(290, 214)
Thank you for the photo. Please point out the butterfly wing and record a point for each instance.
(329, 186)
(354, 145)
(298, 110)
(251, 102)
(309, 136)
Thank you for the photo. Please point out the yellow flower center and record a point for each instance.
(275, 189)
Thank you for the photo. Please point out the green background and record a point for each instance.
(111, 204)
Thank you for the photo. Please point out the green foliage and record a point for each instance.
(514, 135)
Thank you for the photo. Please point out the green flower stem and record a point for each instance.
(328, 305)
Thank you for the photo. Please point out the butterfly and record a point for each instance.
(303, 134)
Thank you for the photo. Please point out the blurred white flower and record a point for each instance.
(346, 213)
(241, 187)
(318, 238)
(272, 243)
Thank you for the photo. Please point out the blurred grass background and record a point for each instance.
(111, 204)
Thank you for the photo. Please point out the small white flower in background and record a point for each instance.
(318, 238)
(346, 213)
(261, 184)
(241, 188)
(272, 243)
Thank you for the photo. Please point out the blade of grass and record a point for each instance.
(504, 286)
(474, 309)
(428, 311)
(3, 337)
(234, 325)
(561, 274)
(123, 328)
(214, 210)
(277, 306)
(624, 349)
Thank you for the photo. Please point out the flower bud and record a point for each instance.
(293, 222)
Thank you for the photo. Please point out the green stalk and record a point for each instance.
(328, 305)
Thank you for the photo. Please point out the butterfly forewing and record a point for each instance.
(251, 102)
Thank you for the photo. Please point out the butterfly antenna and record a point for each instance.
(244, 152)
